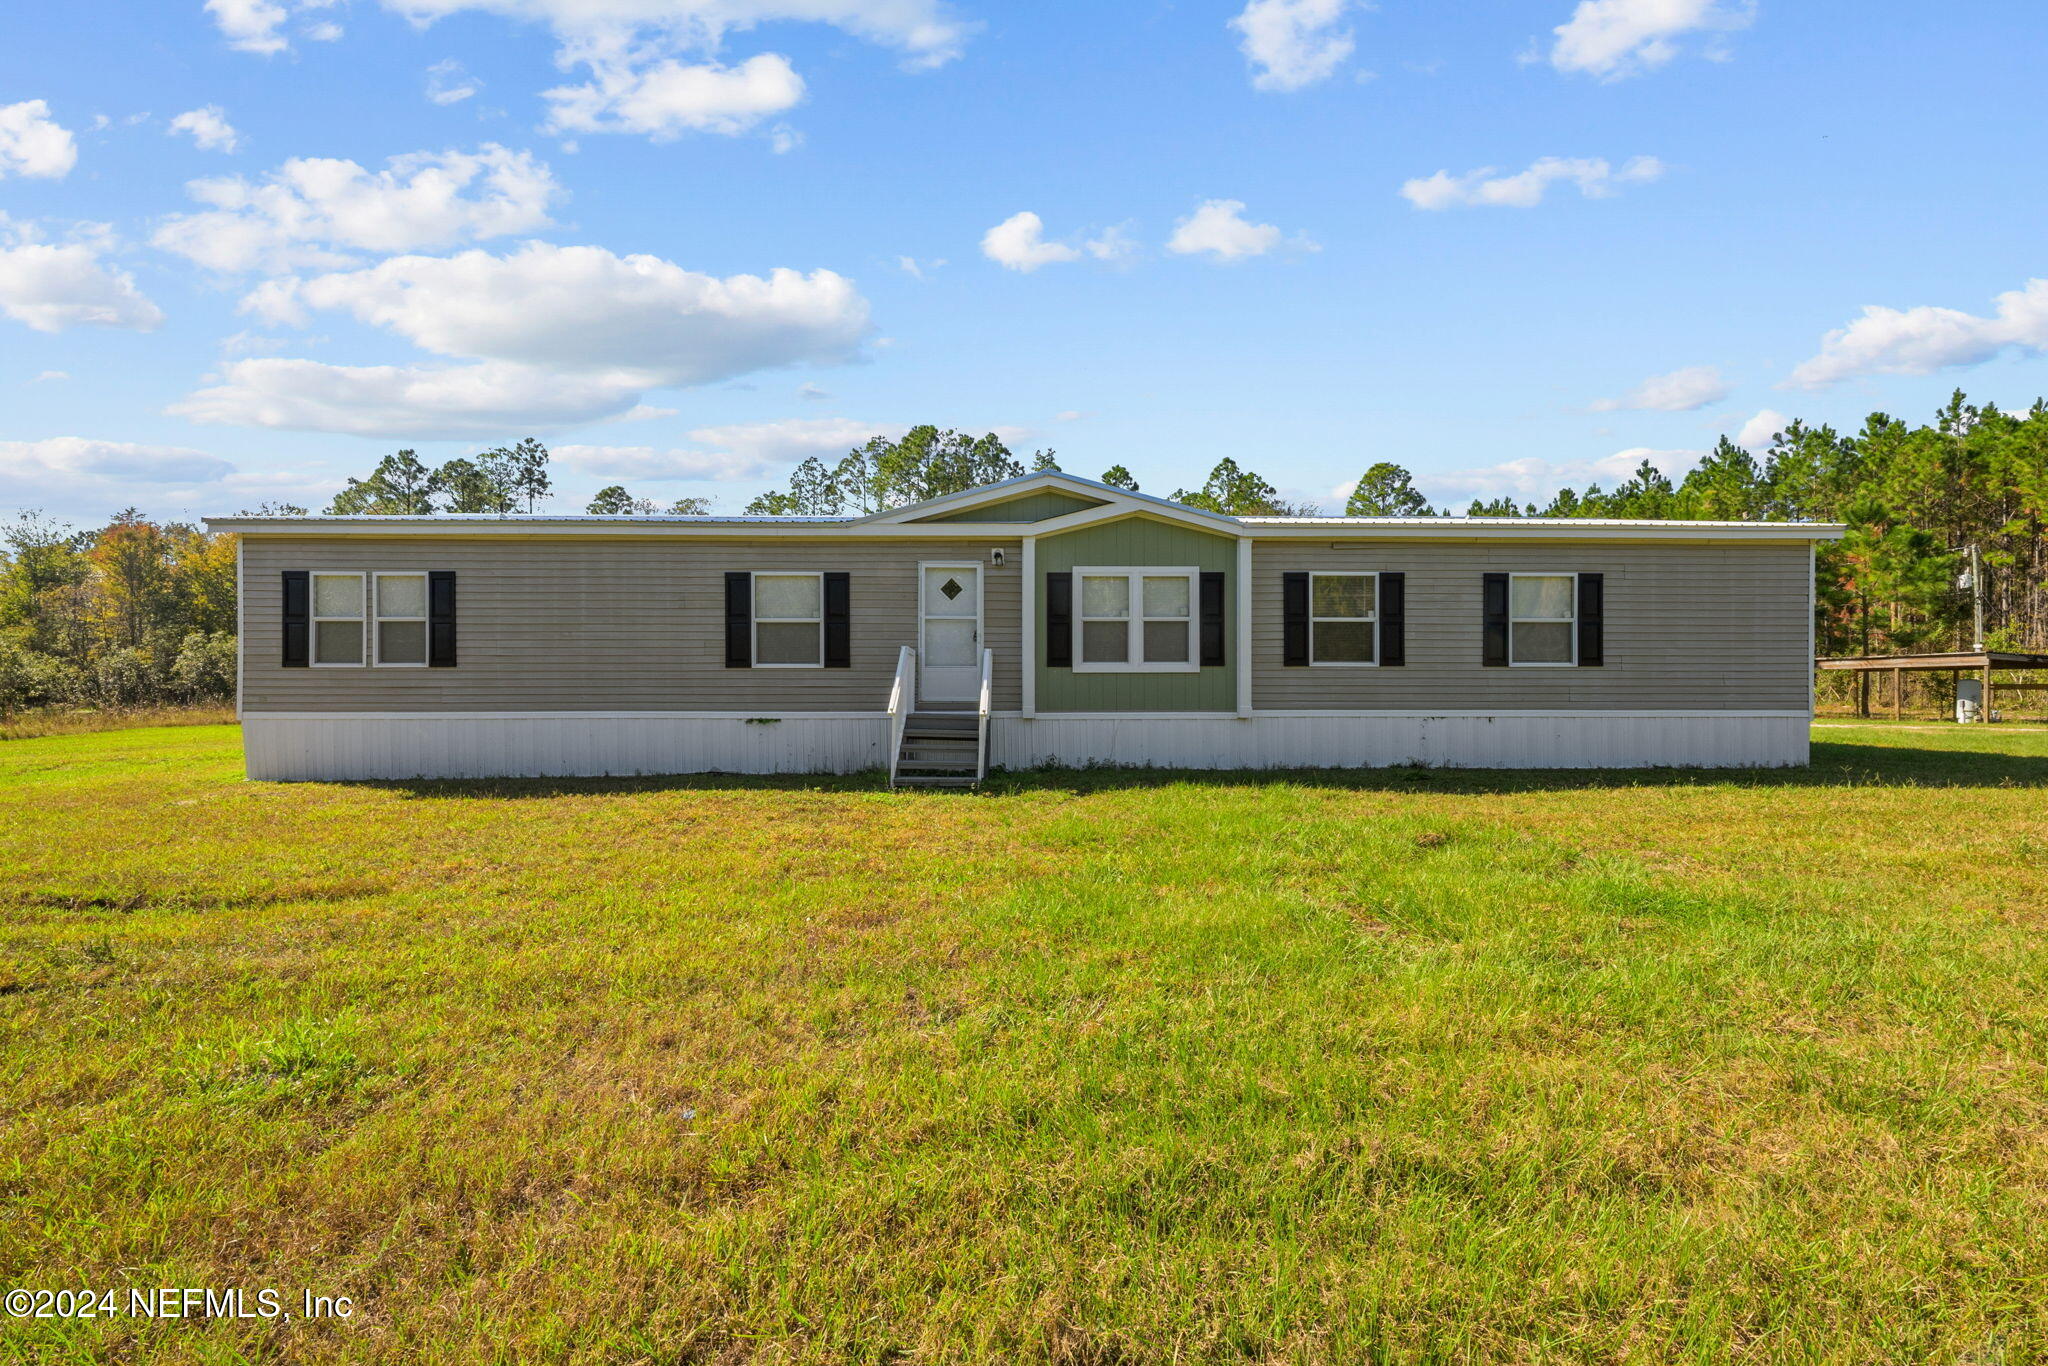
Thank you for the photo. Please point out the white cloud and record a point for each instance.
(52, 286)
(313, 211)
(743, 450)
(1681, 391)
(1018, 243)
(1293, 43)
(1611, 39)
(1219, 228)
(209, 128)
(118, 460)
(925, 31)
(588, 310)
(248, 343)
(1920, 341)
(652, 64)
(83, 478)
(1114, 244)
(250, 25)
(448, 83)
(665, 99)
(34, 144)
(915, 268)
(420, 402)
(1532, 477)
(51, 377)
(1484, 187)
(792, 439)
(654, 464)
(555, 336)
(1758, 432)
(61, 461)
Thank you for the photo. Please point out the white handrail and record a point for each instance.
(988, 678)
(902, 702)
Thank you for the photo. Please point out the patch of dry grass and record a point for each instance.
(31, 725)
(1087, 1068)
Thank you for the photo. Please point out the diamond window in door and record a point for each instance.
(949, 593)
(950, 612)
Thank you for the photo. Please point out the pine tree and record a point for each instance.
(400, 486)
(614, 501)
(474, 486)
(1386, 490)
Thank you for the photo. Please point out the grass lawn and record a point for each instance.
(1394, 1066)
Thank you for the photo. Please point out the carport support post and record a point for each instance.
(1863, 693)
(1987, 692)
(1898, 693)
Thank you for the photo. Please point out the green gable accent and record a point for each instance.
(1029, 507)
(1138, 541)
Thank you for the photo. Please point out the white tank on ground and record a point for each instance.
(1969, 700)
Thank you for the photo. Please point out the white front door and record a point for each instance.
(949, 632)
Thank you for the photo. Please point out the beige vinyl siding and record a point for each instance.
(1689, 626)
(583, 623)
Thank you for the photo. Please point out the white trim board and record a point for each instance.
(1438, 529)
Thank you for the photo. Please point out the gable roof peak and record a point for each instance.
(1005, 489)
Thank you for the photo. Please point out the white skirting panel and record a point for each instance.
(555, 745)
(1507, 740)
(305, 745)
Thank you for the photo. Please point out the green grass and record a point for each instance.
(1397, 1066)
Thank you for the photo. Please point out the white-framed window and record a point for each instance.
(1543, 620)
(398, 603)
(789, 621)
(1343, 620)
(1140, 620)
(338, 610)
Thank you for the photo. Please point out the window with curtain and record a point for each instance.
(1541, 611)
(789, 621)
(337, 619)
(401, 604)
(1136, 620)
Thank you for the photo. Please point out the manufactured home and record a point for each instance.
(1041, 620)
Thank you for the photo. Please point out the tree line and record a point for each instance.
(1916, 501)
(138, 613)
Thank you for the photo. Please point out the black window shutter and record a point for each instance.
(1494, 619)
(1592, 622)
(298, 618)
(1294, 620)
(441, 618)
(1212, 620)
(739, 621)
(1393, 609)
(1059, 621)
(838, 621)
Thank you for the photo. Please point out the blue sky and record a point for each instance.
(250, 246)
